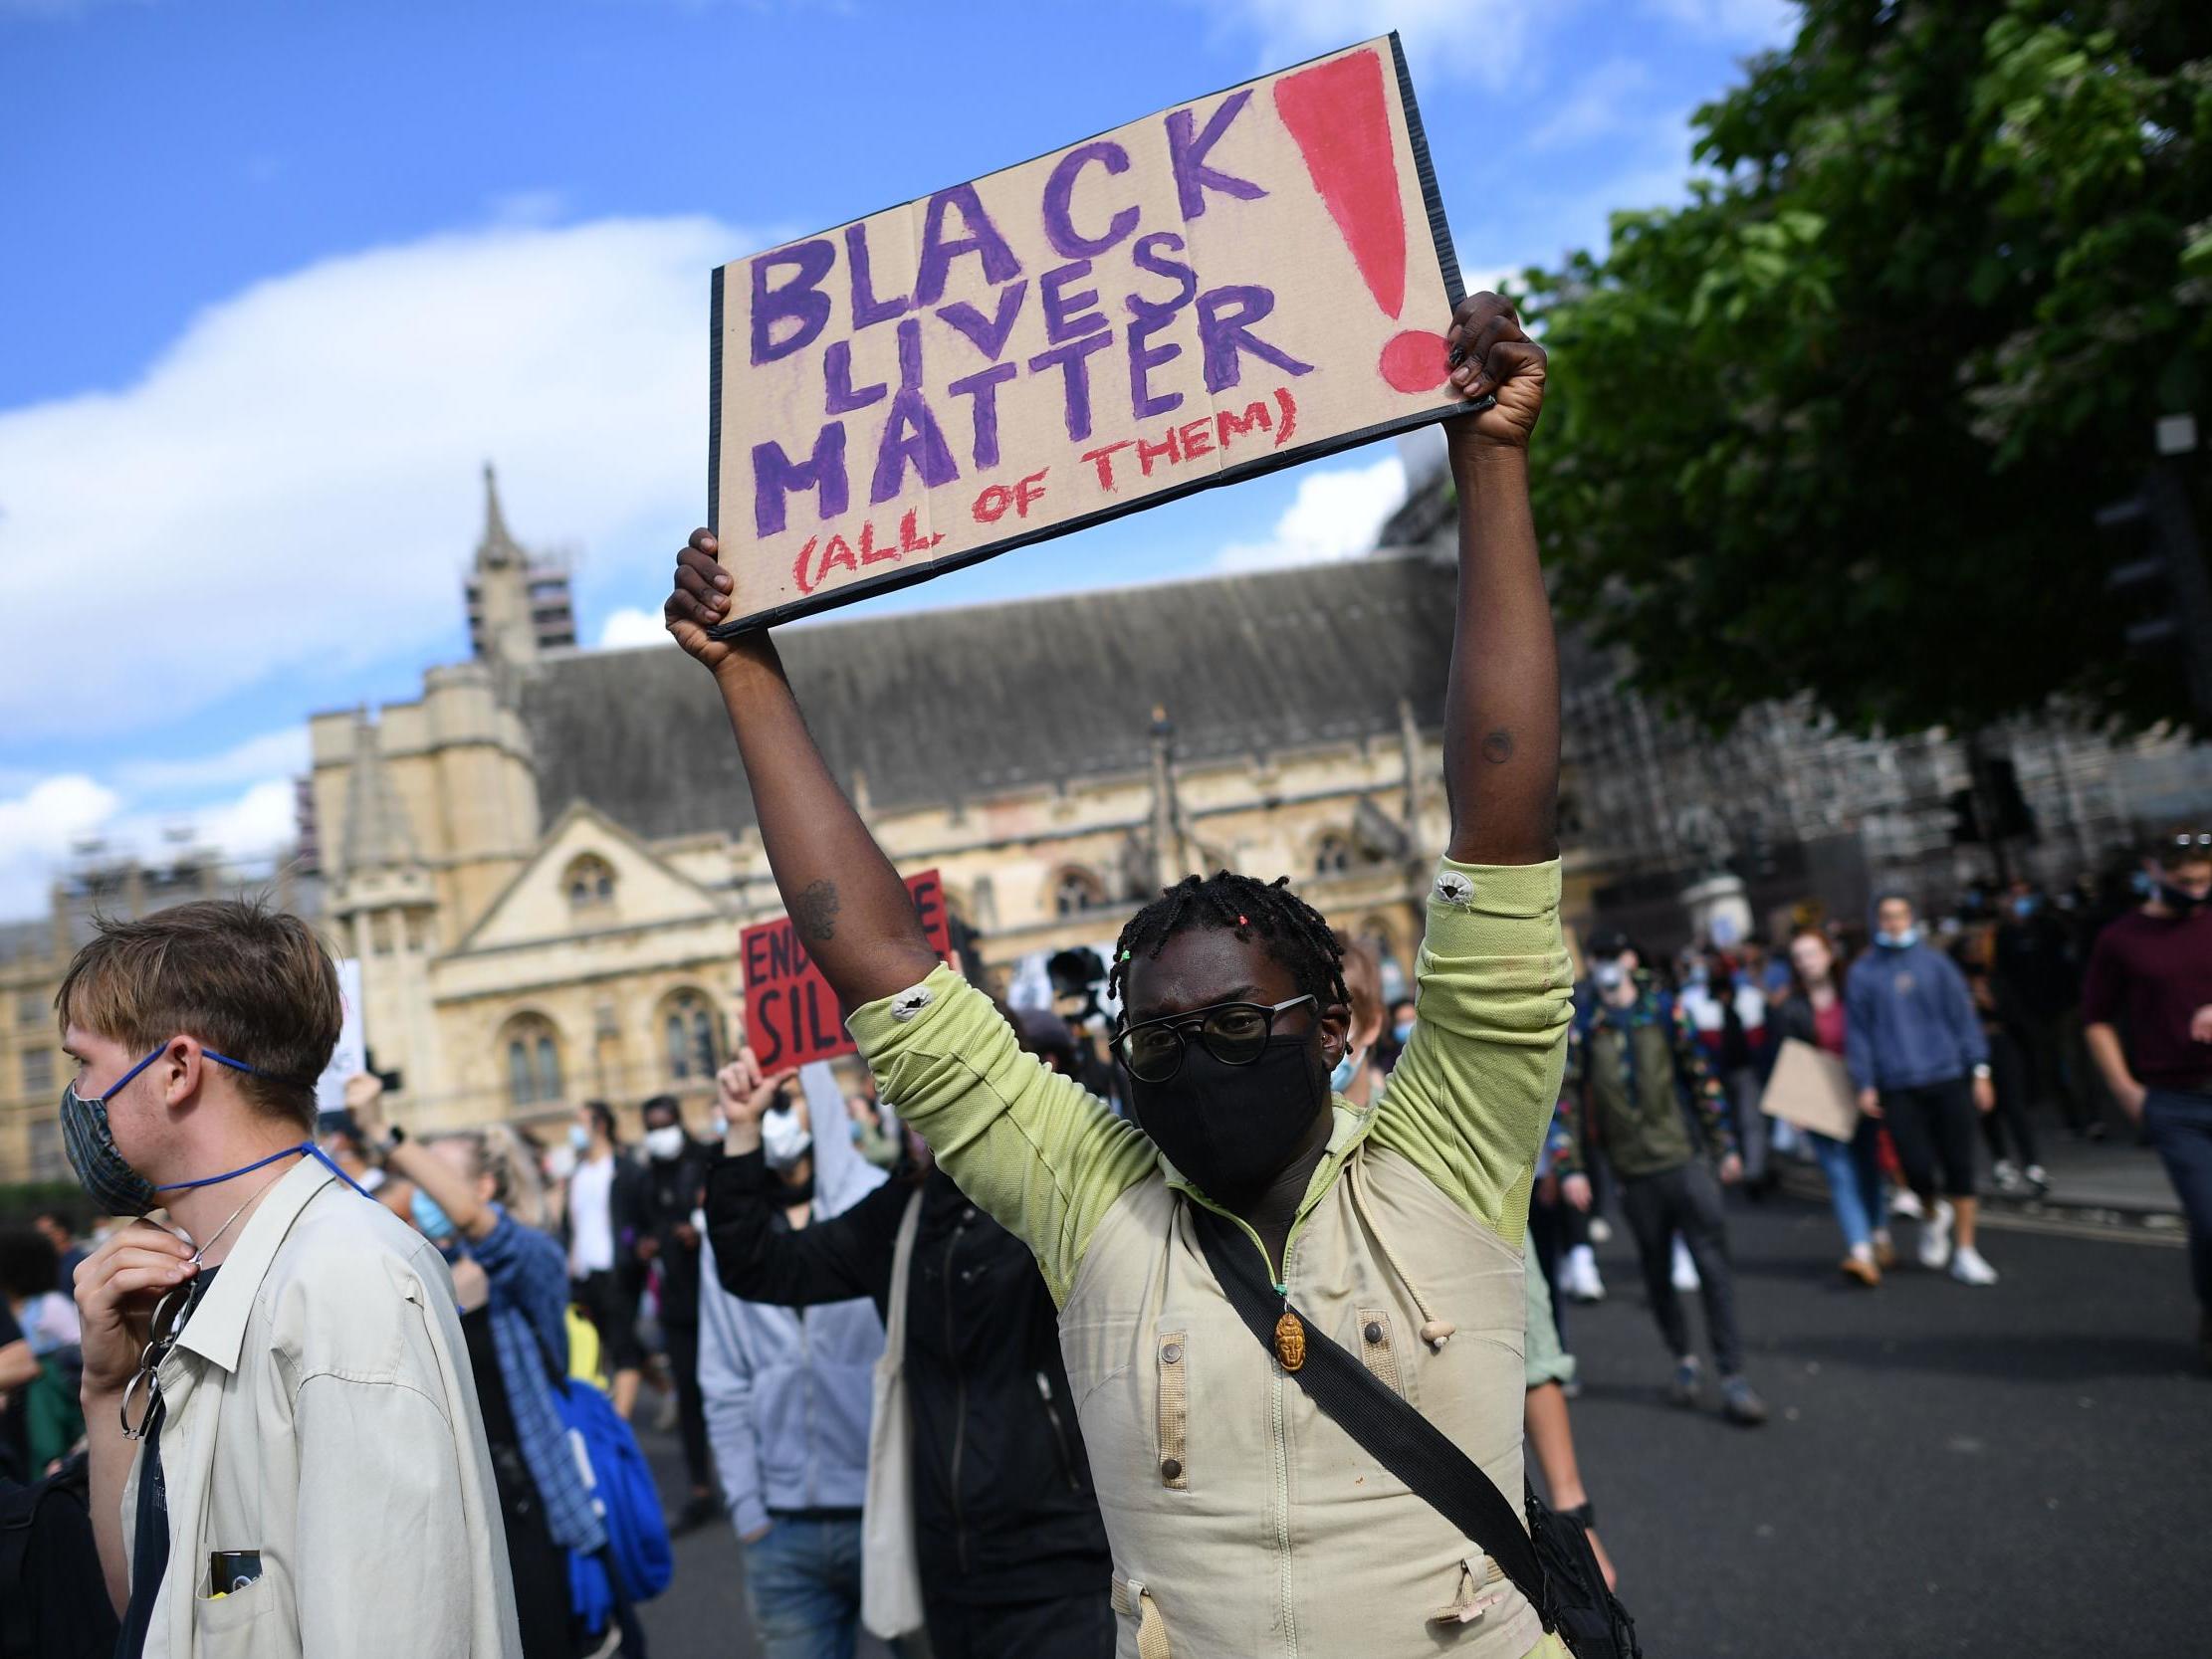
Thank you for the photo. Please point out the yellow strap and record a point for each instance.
(1152, 1630)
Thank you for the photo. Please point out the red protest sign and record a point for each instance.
(791, 1016)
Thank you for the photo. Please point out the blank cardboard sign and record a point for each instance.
(1252, 279)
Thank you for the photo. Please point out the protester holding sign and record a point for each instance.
(1814, 1014)
(1392, 1234)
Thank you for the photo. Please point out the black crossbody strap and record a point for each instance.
(1387, 1427)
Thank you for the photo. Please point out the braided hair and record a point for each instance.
(1292, 931)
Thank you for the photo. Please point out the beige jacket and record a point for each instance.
(321, 1411)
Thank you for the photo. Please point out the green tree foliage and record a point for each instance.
(1841, 424)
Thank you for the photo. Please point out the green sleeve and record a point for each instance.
(1044, 1158)
(1472, 1095)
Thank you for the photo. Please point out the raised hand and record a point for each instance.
(1501, 361)
(745, 1091)
(700, 600)
(365, 1098)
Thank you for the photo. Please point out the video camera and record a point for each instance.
(1077, 976)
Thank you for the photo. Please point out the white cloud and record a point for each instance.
(260, 821)
(527, 208)
(1485, 40)
(306, 455)
(1598, 105)
(280, 753)
(1754, 23)
(1335, 515)
(48, 824)
(631, 626)
(39, 827)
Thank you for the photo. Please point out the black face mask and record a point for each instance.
(1230, 1128)
(2180, 903)
(788, 1191)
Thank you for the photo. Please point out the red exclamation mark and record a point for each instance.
(1339, 116)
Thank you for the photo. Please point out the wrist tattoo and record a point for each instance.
(1497, 748)
(815, 910)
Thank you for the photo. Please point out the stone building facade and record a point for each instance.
(543, 860)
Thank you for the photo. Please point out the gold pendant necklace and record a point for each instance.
(1290, 1341)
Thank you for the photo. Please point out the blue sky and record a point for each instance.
(283, 276)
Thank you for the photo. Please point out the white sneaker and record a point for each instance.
(1969, 1268)
(1577, 1276)
(2007, 1175)
(1935, 1237)
(1601, 1230)
(1905, 1202)
(1686, 1270)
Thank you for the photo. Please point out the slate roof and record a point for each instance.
(938, 706)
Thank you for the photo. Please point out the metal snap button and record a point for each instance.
(1171, 1469)
(1171, 1354)
(1374, 1331)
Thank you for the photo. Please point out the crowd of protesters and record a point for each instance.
(2008, 1014)
(1040, 1339)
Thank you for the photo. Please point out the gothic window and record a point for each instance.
(48, 1160)
(688, 1038)
(1076, 891)
(533, 1061)
(1332, 854)
(590, 883)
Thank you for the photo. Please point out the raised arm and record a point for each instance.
(847, 901)
(1501, 709)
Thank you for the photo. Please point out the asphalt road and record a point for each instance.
(2019, 1471)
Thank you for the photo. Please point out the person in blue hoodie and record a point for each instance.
(787, 1392)
(1916, 1052)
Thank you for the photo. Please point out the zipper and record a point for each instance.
(1276, 1421)
(1282, 1484)
(960, 1404)
(1060, 1434)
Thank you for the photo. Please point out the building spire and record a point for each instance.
(498, 548)
(1169, 835)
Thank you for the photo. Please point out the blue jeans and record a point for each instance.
(803, 1579)
(2180, 1128)
(1854, 1180)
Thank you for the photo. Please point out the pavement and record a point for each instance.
(2020, 1471)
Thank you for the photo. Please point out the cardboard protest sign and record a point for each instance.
(1810, 1089)
(1252, 279)
(791, 1016)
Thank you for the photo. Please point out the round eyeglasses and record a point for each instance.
(144, 1387)
(1234, 1033)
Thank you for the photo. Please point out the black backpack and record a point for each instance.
(52, 1596)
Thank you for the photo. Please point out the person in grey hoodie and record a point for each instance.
(787, 1401)
(1915, 1050)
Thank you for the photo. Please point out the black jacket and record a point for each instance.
(1003, 1506)
(670, 1191)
